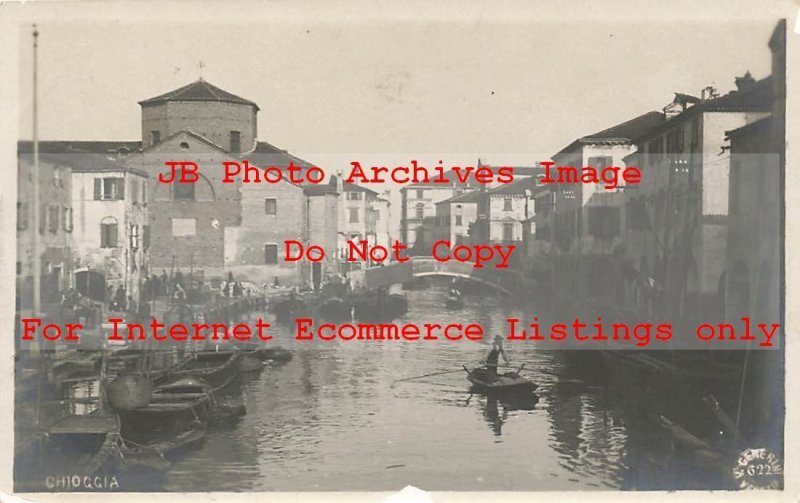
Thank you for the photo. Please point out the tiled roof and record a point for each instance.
(79, 161)
(763, 123)
(69, 147)
(319, 189)
(199, 90)
(517, 187)
(518, 171)
(624, 132)
(352, 187)
(755, 98)
(451, 177)
(472, 196)
(265, 154)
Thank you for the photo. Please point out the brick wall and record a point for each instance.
(212, 120)
(216, 206)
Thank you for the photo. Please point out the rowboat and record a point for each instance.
(508, 382)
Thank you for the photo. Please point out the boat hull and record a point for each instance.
(509, 382)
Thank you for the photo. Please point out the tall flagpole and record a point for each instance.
(37, 260)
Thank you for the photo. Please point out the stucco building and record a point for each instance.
(54, 229)
(678, 239)
(111, 228)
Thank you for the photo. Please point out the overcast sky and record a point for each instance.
(414, 86)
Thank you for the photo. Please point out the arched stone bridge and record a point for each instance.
(505, 281)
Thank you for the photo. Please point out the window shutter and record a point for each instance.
(112, 235)
(120, 188)
(146, 236)
(98, 189)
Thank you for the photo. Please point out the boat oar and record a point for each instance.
(427, 375)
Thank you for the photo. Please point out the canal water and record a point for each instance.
(334, 419)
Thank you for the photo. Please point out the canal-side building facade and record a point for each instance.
(111, 226)
(211, 227)
(206, 229)
(188, 221)
(753, 263)
(585, 223)
(678, 239)
(54, 229)
(502, 211)
(418, 206)
(455, 217)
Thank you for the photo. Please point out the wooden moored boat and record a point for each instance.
(174, 406)
(93, 438)
(154, 452)
(508, 382)
(217, 368)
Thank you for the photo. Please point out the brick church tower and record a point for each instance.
(223, 118)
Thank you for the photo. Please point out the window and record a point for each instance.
(135, 193)
(601, 162)
(67, 219)
(270, 254)
(236, 141)
(353, 215)
(57, 177)
(270, 206)
(53, 220)
(146, 236)
(109, 189)
(183, 191)
(420, 210)
(144, 192)
(420, 193)
(155, 137)
(508, 232)
(184, 226)
(108, 232)
(184, 145)
(19, 268)
(458, 220)
(507, 204)
(354, 196)
(134, 237)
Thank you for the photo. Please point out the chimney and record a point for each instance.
(745, 82)
(336, 181)
(709, 93)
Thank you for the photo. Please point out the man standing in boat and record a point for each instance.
(493, 357)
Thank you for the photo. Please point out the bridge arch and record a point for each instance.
(426, 267)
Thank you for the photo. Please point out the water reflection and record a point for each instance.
(333, 418)
(336, 418)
